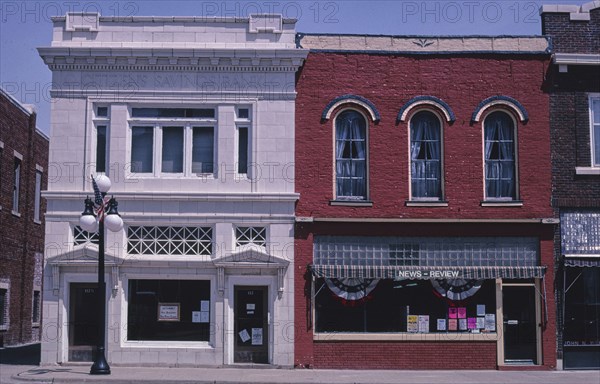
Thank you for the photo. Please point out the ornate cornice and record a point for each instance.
(161, 59)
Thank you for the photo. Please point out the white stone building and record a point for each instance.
(193, 121)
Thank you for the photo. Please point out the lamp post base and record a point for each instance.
(100, 366)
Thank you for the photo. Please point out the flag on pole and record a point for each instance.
(97, 194)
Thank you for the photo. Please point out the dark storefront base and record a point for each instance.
(581, 357)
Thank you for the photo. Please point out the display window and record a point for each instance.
(169, 310)
(405, 306)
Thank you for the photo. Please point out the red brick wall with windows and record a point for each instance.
(389, 81)
(20, 238)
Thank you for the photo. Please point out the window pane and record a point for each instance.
(203, 150)
(425, 149)
(351, 155)
(335, 311)
(16, 185)
(101, 149)
(596, 130)
(242, 150)
(102, 112)
(147, 297)
(499, 153)
(172, 150)
(173, 112)
(142, 143)
(38, 196)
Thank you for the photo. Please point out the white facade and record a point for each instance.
(150, 83)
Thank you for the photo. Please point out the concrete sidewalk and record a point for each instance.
(80, 374)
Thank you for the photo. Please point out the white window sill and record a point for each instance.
(35, 325)
(37, 222)
(351, 203)
(592, 171)
(167, 344)
(443, 337)
(3, 327)
(15, 213)
(508, 203)
(425, 203)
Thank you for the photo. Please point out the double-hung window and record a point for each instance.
(425, 156)
(172, 141)
(499, 153)
(595, 130)
(351, 156)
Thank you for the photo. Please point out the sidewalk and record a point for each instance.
(20, 365)
(121, 375)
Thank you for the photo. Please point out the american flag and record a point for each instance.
(98, 200)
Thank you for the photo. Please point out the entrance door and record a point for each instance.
(520, 325)
(251, 325)
(83, 321)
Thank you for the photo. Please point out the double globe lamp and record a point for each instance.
(96, 215)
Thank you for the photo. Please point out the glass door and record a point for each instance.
(251, 325)
(520, 324)
(83, 321)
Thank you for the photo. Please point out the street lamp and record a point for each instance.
(97, 213)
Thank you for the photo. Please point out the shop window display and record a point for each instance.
(169, 310)
(404, 306)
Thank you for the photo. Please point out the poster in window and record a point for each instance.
(462, 324)
(472, 323)
(441, 324)
(480, 309)
(257, 336)
(462, 312)
(452, 313)
(168, 311)
(424, 323)
(480, 322)
(453, 324)
(490, 322)
(244, 335)
(412, 323)
(204, 305)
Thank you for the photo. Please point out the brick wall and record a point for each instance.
(406, 355)
(21, 240)
(573, 36)
(389, 82)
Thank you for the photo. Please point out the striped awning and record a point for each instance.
(582, 262)
(426, 273)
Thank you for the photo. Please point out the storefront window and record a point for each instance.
(414, 306)
(582, 307)
(169, 310)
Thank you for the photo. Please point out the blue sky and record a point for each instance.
(25, 25)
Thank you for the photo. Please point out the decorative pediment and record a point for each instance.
(83, 255)
(251, 258)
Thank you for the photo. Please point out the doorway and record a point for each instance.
(251, 325)
(520, 324)
(83, 321)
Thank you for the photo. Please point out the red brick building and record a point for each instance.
(575, 132)
(23, 175)
(424, 230)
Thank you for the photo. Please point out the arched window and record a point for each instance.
(351, 156)
(425, 156)
(499, 153)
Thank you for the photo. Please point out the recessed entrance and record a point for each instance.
(251, 325)
(83, 321)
